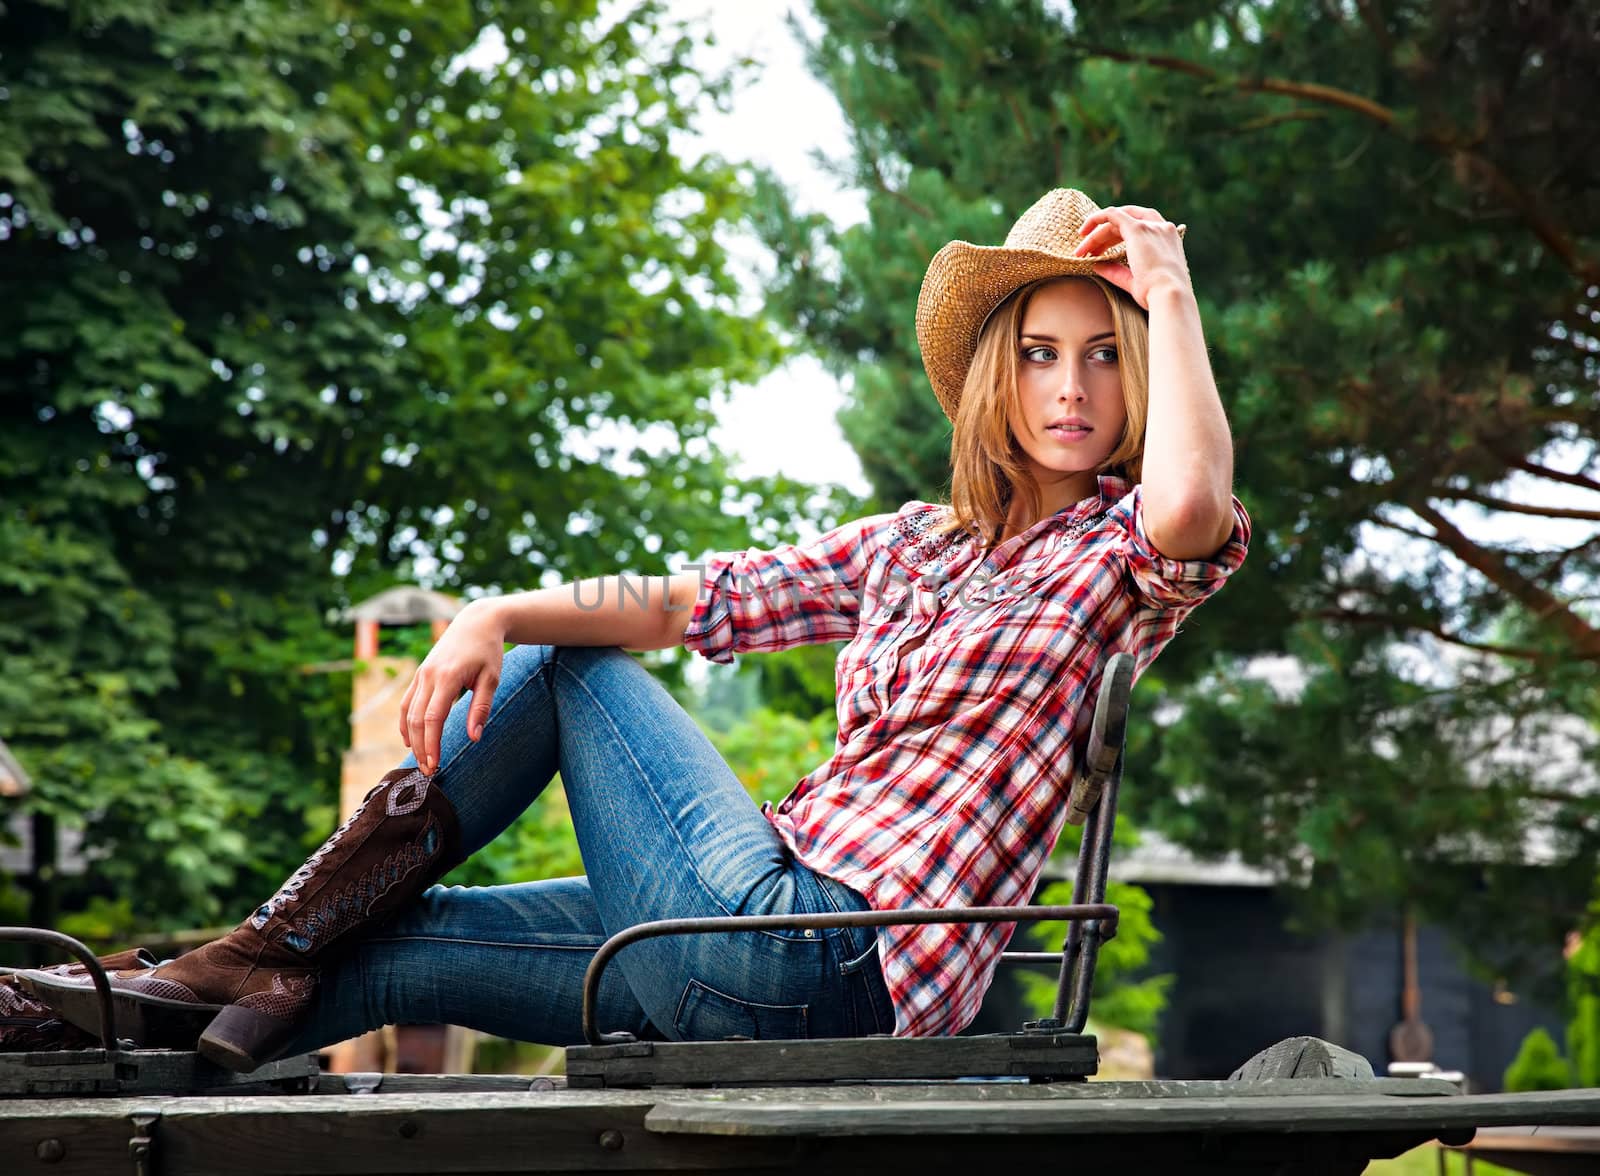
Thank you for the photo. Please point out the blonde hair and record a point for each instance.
(987, 464)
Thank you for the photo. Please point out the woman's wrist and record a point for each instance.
(489, 613)
(1171, 294)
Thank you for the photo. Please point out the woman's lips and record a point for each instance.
(1068, 434)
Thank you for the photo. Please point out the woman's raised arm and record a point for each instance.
(1187, 485)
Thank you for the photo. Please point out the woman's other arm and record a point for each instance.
(634, 612)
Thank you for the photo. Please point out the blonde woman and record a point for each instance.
(1090, 511)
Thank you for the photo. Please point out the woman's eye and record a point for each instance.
(1039, 354)
(1104, 354)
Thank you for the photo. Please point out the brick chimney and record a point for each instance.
(375, 748)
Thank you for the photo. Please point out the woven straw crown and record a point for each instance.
(965, 283)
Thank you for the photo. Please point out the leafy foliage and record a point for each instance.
(305, 300)
(1538, 1065)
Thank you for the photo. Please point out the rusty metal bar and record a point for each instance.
(97, 972)
(913, 916)
(1103, 759)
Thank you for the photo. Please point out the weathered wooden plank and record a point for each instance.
(736, 1063)
(1579, 1140)
(911, 1092)
(748, 1129)
(68, 1143)
(1067, 1116)
(369, 1135)
(387, 1084)
(55, 1073)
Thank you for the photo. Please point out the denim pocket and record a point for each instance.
(704, 1014)
(866, 998)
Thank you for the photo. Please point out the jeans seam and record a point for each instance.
(505, 700)
(667, 822)
(481, 942)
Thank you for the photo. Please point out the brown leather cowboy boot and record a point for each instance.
(28, 1025)
(244, 995)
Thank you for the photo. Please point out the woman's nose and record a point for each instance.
(1072, 386)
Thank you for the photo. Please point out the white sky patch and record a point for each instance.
(788, 121)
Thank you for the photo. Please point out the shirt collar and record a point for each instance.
(1113, 489)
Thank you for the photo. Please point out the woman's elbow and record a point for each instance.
(1193, 529)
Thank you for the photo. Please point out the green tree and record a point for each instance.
(303, 299)
(1392, 227)
(1539, 1064)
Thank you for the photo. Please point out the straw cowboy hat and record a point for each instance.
(965, 283)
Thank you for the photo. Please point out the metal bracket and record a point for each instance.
(141, 1148)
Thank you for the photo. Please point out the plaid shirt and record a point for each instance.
(949, 781)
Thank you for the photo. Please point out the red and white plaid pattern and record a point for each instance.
(949, 781)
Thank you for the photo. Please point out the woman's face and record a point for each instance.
(1067, 372)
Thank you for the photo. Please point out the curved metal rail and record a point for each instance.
(97, 972)
(1102, 916)
(1092, 802)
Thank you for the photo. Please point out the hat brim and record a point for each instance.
(963, 286)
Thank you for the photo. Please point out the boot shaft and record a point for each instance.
(401, 837)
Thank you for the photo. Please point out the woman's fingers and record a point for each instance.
(1099, 240)
(1117, 273)
(433, 717)
(1130, 211)
(482, 699)
(405, 710)
(1136, 232)
(416, 726)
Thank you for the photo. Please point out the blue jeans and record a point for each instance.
(666, 831)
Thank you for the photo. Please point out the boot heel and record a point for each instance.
(241, 1039)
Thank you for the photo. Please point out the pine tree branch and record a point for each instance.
(1459, 152)
(1493, 503)
(1016, 113)
(1498, 571)
(1272, 120)
(1311, 91)
(1363, 617)
(1557, 566)
(1379, 30)
(895, 194)
(1531, 467)
(1390, 525)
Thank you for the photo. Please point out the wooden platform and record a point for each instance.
(499, 1125)
(1540, 1151)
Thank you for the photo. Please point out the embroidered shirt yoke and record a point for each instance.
(963, 693)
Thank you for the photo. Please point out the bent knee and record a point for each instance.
(581, 657)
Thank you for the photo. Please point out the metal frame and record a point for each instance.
(97, 972)
(1090, 920)
(116, 1067)
(1102, 915)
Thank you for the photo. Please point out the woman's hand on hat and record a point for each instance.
(1155, 250)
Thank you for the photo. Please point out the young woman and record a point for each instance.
(1090, 511)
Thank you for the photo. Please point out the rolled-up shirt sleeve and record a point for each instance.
(1162, 582)
(763, 600)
